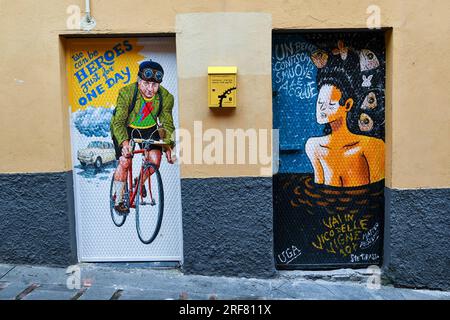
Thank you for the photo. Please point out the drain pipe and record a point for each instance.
(88, 22)
(88, 10)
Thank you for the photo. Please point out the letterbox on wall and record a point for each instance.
(222, 87)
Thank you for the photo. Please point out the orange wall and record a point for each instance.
(33, 113)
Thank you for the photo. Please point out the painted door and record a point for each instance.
(97, 69)
(329, 107)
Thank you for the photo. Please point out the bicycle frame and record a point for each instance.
(134, 189)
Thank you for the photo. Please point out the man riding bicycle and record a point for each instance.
(141, 108)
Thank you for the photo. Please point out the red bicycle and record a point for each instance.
(149, 212)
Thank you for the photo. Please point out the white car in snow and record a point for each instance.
(97, 153)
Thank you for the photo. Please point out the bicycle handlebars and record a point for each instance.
(147, 143)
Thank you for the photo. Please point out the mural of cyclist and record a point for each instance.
(141, 106)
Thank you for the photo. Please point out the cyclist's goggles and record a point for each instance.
(149, 74)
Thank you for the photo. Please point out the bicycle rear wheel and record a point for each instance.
(117, 217)
(149, 211)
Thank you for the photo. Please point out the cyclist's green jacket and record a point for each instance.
(121, 119)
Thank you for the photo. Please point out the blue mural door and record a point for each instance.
(329, 107)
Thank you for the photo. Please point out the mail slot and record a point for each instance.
(222, 87)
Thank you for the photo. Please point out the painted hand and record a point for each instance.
(126, 149)
(170, 159)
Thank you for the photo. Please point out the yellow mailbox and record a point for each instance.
(222, 87)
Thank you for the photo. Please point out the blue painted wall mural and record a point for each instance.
(329, 105)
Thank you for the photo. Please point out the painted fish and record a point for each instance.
(368, 60)
(365, 122)
(319, 58)
(370, 102)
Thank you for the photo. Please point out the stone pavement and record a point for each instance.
(139, 282)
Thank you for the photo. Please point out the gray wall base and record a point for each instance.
(417, 242)
(228, 226)
(37, 219)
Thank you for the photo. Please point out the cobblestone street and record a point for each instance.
(139, 282)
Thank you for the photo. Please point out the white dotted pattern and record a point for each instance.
(98, 238)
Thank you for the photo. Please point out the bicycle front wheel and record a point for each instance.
(149, 209)
(118, 218)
